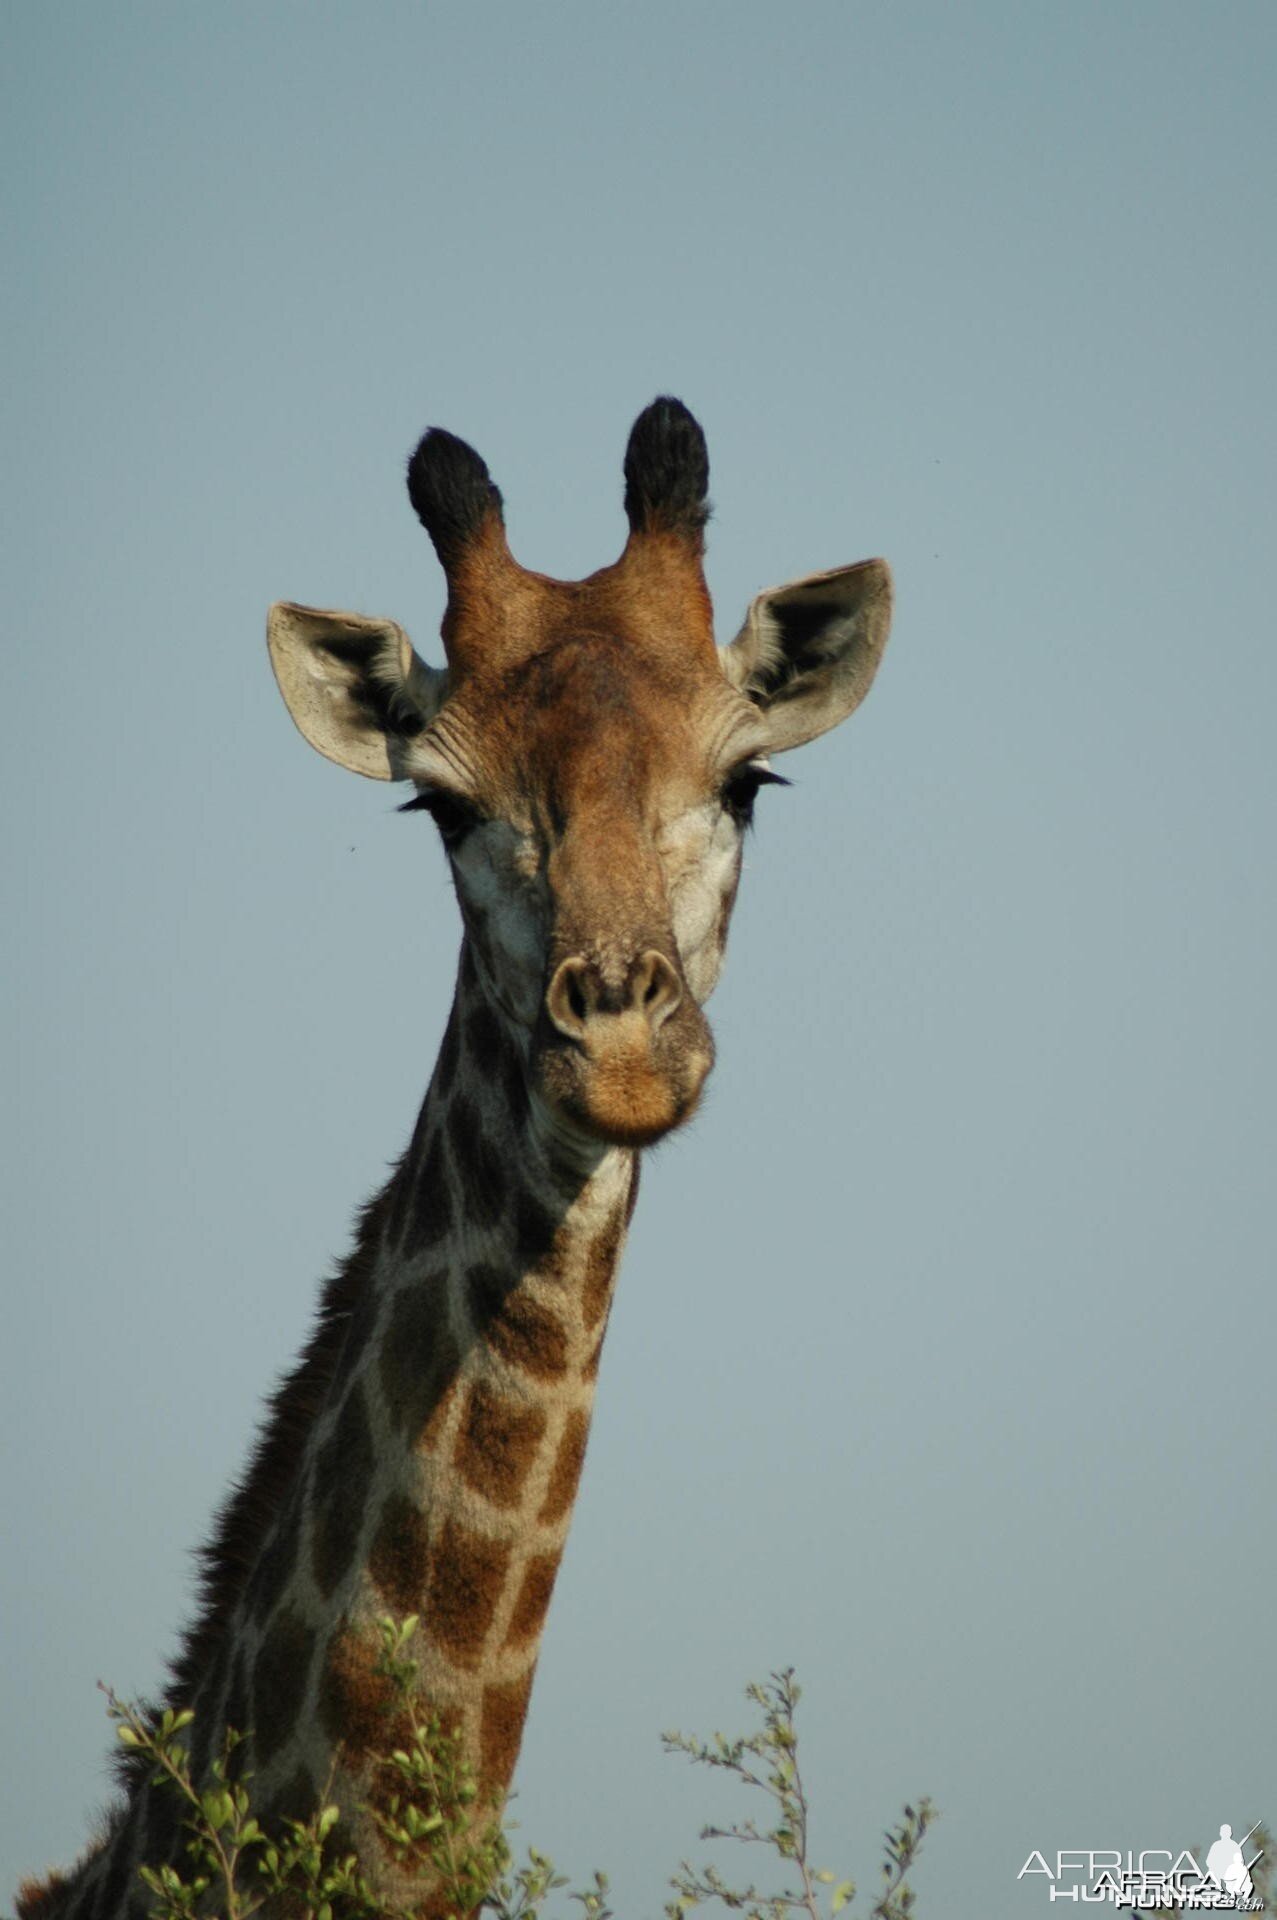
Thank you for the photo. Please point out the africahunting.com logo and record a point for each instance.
(1155, 1881)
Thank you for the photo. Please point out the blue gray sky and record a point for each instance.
(942, 1363)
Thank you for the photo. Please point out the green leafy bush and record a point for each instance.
(430, 1823)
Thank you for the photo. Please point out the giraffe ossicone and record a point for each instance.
(591, 759)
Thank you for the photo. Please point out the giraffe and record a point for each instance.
(590, 759)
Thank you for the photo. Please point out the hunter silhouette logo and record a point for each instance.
(1228, 1867)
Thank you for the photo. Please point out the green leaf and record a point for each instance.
(842, 1893)
(218, 1808)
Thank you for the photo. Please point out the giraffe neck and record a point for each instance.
(435, 1433)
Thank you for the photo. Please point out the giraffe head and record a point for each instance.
(591, 760)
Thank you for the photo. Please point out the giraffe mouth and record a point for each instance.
(623, 1086)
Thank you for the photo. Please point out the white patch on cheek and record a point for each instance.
(701, 852)
(495, 878)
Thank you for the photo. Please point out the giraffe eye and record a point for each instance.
(453, 816)
(740, 790)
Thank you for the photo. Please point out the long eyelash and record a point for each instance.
(740, 790)
(753, 778)
(453, 816)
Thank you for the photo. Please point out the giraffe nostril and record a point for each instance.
(655, 989)
(568, 999)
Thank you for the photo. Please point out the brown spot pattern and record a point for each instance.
(484, 1039)
(529, 1335)
(343, 1476)
(418, 1358)
(432, 1432)
(600, 1272)
(403, 1180)
(535, 1226)
(514, 1084)
(487, 1287)
(275, 1568)
(296, 1799)
(164, 1821)
(566, 1472)
(505, 1708)
(467, 1576)
(206, 1724)
(281, 1672)
(478, 1163)
(363, 1320)
(533, 1602)
(430, 1208)
(355, 1701)
(398, 1559)
(497, 1444)
(590, 1371)
(514, 1324)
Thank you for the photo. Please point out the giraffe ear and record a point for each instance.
(808, 652)
(354, 686)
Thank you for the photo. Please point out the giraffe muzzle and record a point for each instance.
(628, 1049)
